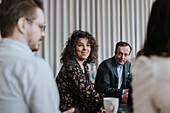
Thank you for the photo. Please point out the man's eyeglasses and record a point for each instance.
(42, 26)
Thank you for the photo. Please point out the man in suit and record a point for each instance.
(113, 75)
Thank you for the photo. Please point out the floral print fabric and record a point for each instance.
(76, 90)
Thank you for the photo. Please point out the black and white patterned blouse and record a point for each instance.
(76, 90)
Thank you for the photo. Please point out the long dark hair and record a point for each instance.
(158, 32)
(69, 51)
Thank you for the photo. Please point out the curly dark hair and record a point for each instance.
(70, 50)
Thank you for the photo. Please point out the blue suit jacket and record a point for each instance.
(107, 78)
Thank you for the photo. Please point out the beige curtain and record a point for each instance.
(108, 20)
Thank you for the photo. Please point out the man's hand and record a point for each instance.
(125, 96)
(126, 91)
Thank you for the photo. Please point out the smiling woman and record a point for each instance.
(81, 48)
(82, 51)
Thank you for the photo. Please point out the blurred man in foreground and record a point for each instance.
(27, 83)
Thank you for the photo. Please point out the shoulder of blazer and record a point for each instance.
(108, 62)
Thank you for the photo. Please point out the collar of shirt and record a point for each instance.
(14, 44)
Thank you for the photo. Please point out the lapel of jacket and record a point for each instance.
(125, 70)
(114, 67)
(125, 74)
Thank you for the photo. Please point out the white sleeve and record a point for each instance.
(41, 92)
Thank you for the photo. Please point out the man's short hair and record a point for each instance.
(12, 10)
(121, 43)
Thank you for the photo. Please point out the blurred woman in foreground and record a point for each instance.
(151, 73)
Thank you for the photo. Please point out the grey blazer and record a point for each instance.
(106, 80)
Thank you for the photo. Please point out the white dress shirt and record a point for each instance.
(120, 73)
(27, 84)
(151, 84)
